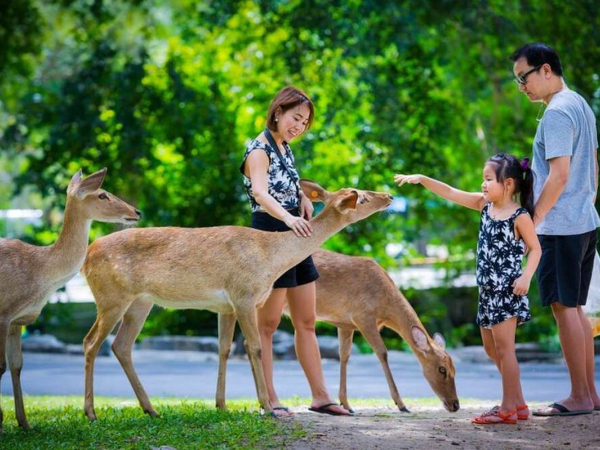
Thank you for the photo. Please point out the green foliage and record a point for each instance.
(59, 422)
(165, 95)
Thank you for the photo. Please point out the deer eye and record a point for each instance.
(103, 196)
(442, 370)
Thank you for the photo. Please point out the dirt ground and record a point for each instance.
(435, 428)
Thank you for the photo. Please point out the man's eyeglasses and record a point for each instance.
(521, 80)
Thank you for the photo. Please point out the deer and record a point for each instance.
(356, 293)
(30, 274)
(229, 270)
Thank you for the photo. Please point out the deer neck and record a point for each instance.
(288, 248)
(401, 319)
(68, 252)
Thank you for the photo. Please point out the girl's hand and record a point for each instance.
(306, 207)
(412, 179)
(521, 285)
(298, 225)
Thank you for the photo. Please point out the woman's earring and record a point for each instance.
(276, 119)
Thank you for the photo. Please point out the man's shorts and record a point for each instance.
(304, 272)
(565, 269)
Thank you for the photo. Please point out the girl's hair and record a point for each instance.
(509, 166)
(287, 98)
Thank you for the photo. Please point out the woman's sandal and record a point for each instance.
(523, 415)
(486, 418)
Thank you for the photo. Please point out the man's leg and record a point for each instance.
(572, 335)
(589, 357)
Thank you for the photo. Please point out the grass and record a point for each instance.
(59, 423)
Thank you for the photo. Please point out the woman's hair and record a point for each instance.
(509, 166)
(287, 98)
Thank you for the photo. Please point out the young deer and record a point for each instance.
(229, 270)
(355, 293)
(30, 274)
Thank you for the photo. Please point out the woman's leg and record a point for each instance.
(268, 318)
(504, 338)
(302, 303)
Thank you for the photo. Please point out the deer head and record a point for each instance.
(347, 201)
(437, 365)
(94, 203)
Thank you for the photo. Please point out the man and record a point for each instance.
(565, 167)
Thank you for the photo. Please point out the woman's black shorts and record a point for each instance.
(565, 269)
(304, 272)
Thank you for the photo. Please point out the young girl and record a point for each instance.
(505, 230)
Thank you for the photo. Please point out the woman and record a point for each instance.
(278, 204)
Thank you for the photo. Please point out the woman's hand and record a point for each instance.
(306, 207)
(298, 225)
(521, 285)
(401, 179)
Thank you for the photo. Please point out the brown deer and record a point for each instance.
(229, 270)
(356, 293)
(30, 274)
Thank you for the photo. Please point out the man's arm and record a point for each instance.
(597, 173)
(553, 187)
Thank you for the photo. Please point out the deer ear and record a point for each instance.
(313, 191)
(439, 340)
(91, 183)
(347, 202)
(75, 180)
(420, 338)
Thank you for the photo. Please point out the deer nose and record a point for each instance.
(138, 212)
(455, 405)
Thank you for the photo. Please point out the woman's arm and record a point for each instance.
(525, 228)
(473, 200)
(257, 166)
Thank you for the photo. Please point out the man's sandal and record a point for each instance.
(490, 418)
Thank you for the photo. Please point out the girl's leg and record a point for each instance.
(268, 318)
(504, 338)
(302, 303)
(489, 345)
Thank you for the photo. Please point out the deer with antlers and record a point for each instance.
(356, 293)
(229, 270)
(29, 274)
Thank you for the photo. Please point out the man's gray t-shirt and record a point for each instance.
(568, 128)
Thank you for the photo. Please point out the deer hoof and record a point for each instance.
(151, 412)
(404, 409)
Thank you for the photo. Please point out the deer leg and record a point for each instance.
(226, 329)
(105, 322)
(131, 325)
(371, 334)
(248, 323)
(345, 343)
(4, 327)
(15, 363)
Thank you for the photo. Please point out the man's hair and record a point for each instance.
(537, 54)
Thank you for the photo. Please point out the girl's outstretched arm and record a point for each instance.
(526, 230)
(473, 200)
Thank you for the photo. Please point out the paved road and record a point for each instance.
(194, 375)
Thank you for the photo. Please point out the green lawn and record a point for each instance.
(59, 423)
